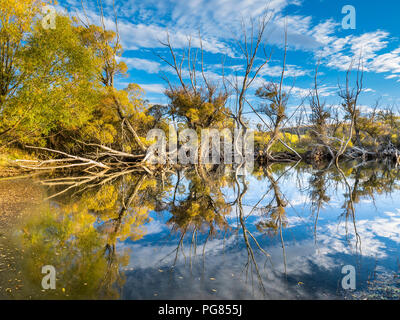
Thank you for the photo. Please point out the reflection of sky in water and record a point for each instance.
(313, 266)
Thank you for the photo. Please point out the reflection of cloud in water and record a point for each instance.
(313, 267)
(317, 266)
(149, 256)
(223, 273)
(374, 233)
(154, 227)
(222, 259)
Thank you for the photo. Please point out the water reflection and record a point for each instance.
(207, 232)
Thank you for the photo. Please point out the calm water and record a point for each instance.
(284, 232)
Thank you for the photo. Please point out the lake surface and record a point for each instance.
(283, 232)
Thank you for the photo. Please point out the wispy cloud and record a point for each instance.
(153, 88)
(149, 66)
(143, 25)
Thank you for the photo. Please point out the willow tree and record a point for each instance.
(46, 77)
(16, 18)
(195, 100)
(125, 109)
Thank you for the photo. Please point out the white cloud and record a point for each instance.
(291, 71)
(153, 88)
(143, 24)
(340, 53)
(388, 62)
(149, 66)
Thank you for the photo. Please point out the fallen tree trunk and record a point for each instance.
(101, 159)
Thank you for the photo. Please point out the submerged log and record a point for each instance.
(263, 158)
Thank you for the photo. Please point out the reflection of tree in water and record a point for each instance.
(198, 207)
(202, 208)
(251, 259)
(360, 181)
(318, 185)
(274, 214)
(363, 181)
(78, 236)
(78, 232)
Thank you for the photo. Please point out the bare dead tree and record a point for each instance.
(349, 98)
(175, 65)
(299, 122)
(277, 99)
(249, 47)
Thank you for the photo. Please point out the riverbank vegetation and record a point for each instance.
(60, 107)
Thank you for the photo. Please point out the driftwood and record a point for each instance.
(387, 152)
(283, 157)
(100, 161)
(96, 163)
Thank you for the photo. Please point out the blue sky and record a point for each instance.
(314, 33)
